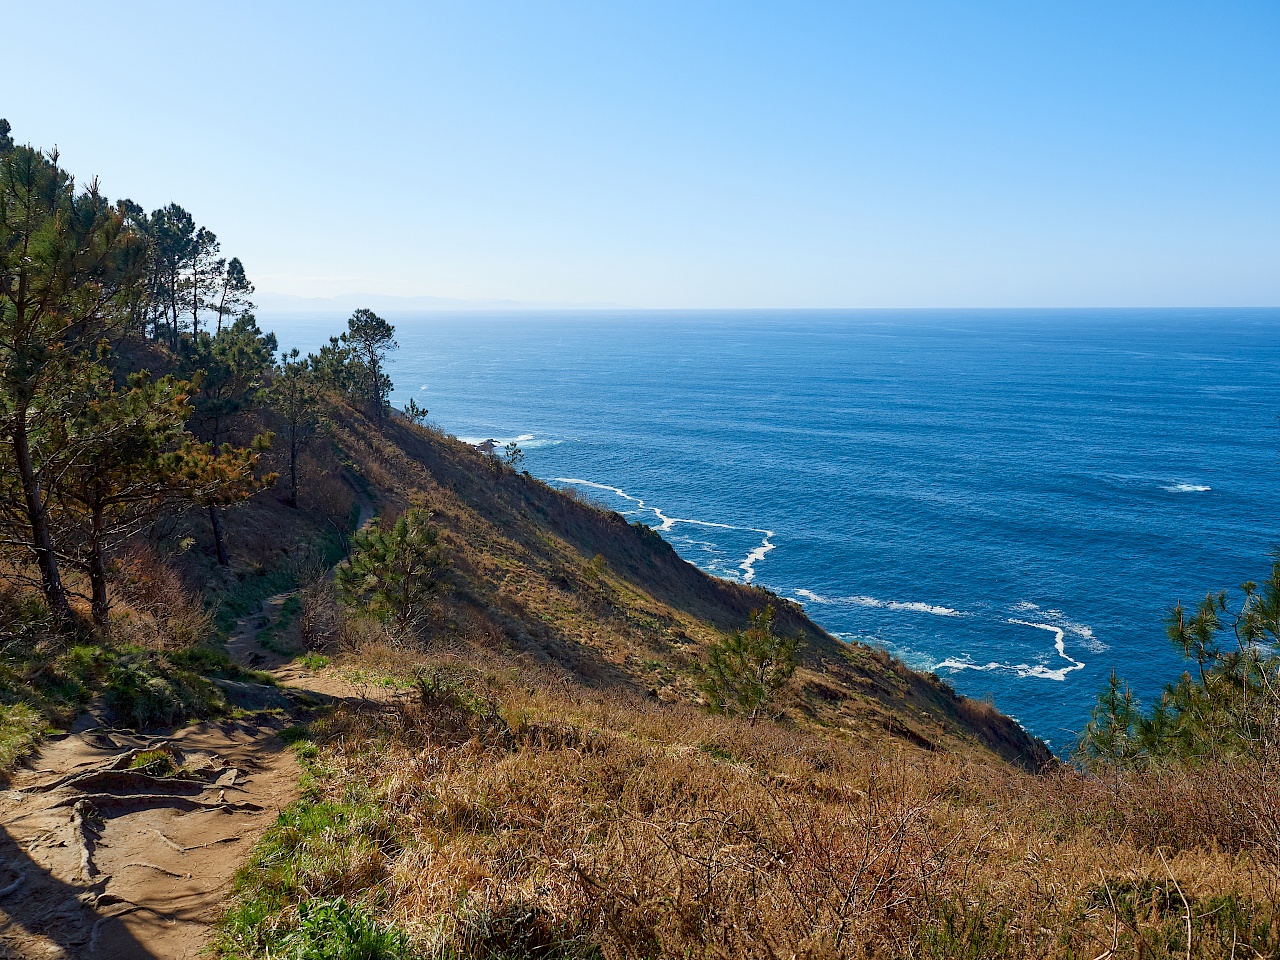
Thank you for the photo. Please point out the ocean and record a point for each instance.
(1013, 499)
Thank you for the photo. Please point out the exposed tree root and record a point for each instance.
(82, 829)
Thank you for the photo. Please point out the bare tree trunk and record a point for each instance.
(293, 466)
(99, 603)
(219, 544)
(55, 595)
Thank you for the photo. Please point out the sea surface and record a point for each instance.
(1013, 499)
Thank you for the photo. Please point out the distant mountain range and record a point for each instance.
(345, 303)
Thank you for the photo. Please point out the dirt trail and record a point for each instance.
(100, 860)
(103, 860)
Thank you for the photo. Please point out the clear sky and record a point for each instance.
(687, 154)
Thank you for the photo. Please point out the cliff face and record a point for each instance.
(611, 602)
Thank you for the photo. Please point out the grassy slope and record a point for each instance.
(520, 550)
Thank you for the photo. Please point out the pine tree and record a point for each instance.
(234, 291)
(746, 670)
(1230, 707)
(67, 263)
(230, 369)
(370, 338)
(135, 459)
(394, 573)
(294, 396)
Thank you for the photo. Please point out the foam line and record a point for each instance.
(910, 606)
(747, 566)
(1022, 669)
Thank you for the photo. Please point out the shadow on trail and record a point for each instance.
(39, 911)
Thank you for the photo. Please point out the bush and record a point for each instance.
(149, 691)
(396, 572)
(746, 670)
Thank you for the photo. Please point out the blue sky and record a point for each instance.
(688, 154)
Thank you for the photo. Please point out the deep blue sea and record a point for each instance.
(1013, 499)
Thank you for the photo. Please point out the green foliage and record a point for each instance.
(154, 763)
(512, 455)
(370, 338)
(415, 413)
(68, 262)
(339, 930)
(315, 850)
(963, 931)
(146, 690)
(1150, 918)
(1229, 708)
(594, 568)
(295, 395)
(20, 729)
(135, 458)
(336, 368)
(394, 573)
(747, 669)
(229, 368)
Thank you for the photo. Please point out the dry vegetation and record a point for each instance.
(496, 810)
(577, 589)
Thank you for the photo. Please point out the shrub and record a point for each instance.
(745, 671)
(396, 572)
(163, 614)
(150, 691)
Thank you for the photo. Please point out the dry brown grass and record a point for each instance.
(644, 829)
(156, 609)
(575, 588)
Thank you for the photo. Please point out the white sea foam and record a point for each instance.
(1023, 670)
(910, 606)
(1187, 488)
(667, 524)
(1081, 632)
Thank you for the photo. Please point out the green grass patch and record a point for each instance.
(21, 727)
(212, 661)
(717, 752)
(145, 689)
(154, 763)
(269, 639)
(312, 661)
(245, 597)
(316, 851)
(289, 611)
(340, 930)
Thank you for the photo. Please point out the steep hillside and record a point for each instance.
(640, 617)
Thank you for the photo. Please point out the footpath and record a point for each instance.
(114, 844)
